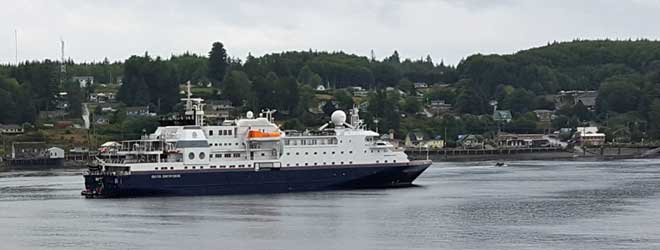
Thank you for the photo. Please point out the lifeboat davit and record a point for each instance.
(261, 134)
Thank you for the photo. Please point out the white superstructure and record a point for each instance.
(251, 143)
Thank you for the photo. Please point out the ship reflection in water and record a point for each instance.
(524, 205)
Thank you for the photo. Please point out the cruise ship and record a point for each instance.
(185, 156)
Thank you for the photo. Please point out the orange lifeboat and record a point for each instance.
(260, 134)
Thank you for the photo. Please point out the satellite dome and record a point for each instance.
(338, 118)
(249, 115)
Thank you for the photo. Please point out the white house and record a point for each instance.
(84, 81)
(55, 153)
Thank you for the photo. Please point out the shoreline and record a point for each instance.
(535, 155)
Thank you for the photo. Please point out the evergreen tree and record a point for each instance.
(218, 62)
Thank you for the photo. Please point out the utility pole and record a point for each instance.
(16, 46)
(62, 65)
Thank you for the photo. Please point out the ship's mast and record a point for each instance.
(194, 106)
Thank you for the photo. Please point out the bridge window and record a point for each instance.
(210, 132)
(227, 155)
(229, 133)
(237, 155)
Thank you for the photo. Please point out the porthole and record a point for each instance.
(191, 156)
(171, 168)
(202, 156)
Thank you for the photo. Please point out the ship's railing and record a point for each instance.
(295, 133)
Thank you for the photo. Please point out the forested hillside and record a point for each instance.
(626, 75)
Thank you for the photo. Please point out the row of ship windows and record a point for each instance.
(221, 132)
(332, 163)
(221, 144)
(202, 167)
(202, 155)
(250, 165)
(295, 142)
(341, 152)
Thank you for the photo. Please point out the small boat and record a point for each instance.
(500, 164)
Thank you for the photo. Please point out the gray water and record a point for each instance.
(525, 205)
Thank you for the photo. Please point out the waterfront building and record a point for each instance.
(589, 136)
(470, 141)
(508, 140)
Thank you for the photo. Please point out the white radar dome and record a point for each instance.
(249, 115)
(338, 118)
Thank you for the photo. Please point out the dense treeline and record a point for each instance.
(626, 75)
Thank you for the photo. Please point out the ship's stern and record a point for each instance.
(100, 183)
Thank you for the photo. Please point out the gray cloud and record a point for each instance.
(445, 29)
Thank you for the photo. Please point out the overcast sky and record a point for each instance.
(448, 30)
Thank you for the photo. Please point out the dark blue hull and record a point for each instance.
(249, 181)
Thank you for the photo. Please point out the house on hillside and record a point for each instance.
(439, 107)
(218, 109)
(139, 111)
(572, 97)
(421, 85)
(320, 88)
(84, 81)
(544, 115)
(11, 129)
(102, 120)
(502, 116)
(414, 139)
